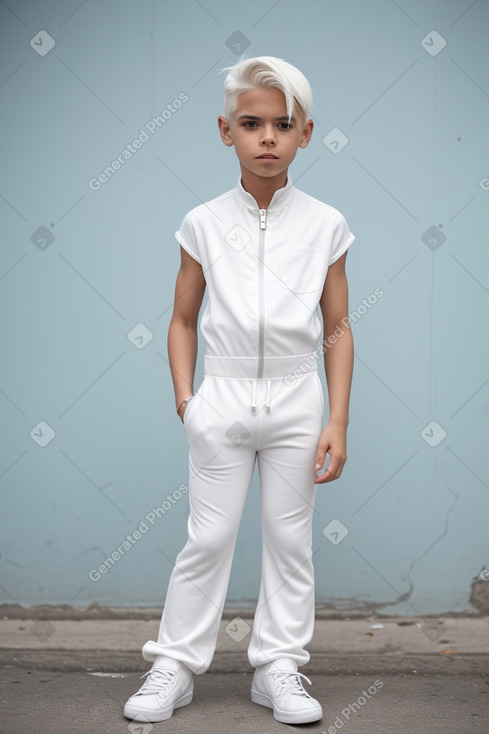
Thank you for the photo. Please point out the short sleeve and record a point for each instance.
(186, 237)
(342, 239)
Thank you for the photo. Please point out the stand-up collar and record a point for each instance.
(280, 198)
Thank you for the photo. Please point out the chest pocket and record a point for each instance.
(301, 270)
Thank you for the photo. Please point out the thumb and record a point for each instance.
(320, 456)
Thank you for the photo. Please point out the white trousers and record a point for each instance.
(230, 424)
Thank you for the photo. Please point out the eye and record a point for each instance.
(285, 125)
(250, 124)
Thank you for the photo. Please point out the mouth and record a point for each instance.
(268, 155)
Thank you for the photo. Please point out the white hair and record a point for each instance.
(267, 71)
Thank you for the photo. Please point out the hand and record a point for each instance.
(181, 411)
(332, 441)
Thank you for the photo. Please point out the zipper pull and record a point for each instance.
(263, 218)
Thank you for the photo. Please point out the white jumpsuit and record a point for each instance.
(260, 399)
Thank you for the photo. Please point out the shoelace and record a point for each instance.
(289, 683)
(158, 679)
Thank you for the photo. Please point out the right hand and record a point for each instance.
(181, 411)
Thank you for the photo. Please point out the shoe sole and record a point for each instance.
(285, 717)
(134, 713)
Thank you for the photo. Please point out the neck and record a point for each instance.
(262, 189)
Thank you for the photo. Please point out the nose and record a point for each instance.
(268, 135)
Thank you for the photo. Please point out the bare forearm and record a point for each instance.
(338, 365)
(182, 354)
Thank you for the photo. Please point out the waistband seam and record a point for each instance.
(274, 367)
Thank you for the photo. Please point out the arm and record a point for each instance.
(338, 365)
(182, 332)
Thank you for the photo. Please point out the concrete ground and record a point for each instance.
(371, 674)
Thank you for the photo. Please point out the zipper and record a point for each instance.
(261, 293)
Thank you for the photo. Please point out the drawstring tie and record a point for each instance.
(254, 407)
(267, 401)
(253, 398)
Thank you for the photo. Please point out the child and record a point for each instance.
(269, 255)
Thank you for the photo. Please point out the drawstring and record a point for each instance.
(267, 402)
(253, 397)
(254, 406)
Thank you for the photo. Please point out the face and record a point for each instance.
(265, 141)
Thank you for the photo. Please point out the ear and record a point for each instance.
(306, 133)
(225, 130)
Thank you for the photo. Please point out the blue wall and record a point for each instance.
(87, 274)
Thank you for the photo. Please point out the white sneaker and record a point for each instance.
(278, 685)
(168, 685)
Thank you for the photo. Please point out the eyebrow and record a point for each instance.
(254, 117)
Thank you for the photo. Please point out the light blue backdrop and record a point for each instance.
(91, 445)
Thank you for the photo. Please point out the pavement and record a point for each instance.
(63, 674)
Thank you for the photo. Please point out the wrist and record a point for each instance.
(339, 420)
(182, 406)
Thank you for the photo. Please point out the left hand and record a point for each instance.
(332, 441)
